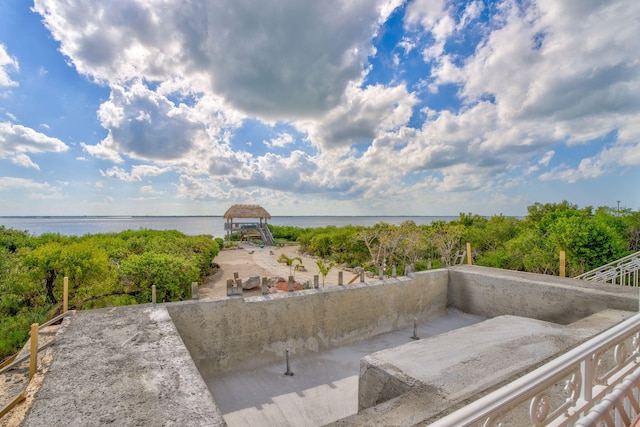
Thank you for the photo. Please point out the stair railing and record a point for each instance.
(624, 272)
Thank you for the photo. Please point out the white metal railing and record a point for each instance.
(575, 385)
(624, 271)
(617, 408)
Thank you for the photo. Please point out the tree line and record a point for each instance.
(590, 238)
(103, 269)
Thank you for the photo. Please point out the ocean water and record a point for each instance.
(191, 225)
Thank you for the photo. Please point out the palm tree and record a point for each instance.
(290, 262)
(324, 269)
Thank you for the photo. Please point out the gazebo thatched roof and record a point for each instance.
(246, 211)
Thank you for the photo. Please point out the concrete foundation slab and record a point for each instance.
(325, 385)
(122, 366)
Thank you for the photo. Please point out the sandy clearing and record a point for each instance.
(251, 260)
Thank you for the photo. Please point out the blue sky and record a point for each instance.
(339, 107)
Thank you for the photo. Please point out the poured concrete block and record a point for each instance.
(448, 368)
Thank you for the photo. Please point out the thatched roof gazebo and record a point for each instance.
(245, 212)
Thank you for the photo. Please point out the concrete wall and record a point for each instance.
(226, 333)
(490, 292)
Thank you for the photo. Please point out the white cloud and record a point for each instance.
(199, 189)
(103, 151)
(8, 182)
(18, 139)
(282, 140)
(363, 115)
(24, 161)
(7, 63)
(300, 69)
(407, 45)
(617, 156)
(148, 189)
(559, 62)
(552, 72)
(137, 173)
(146, 125)
(147, 170)
(544, 161)
(294, 173)
(183, 77)
(119, 174)
(440, 20)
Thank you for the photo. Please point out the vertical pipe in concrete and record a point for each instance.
(340, 278)
(65, 295)
(415, 330)
(289, 373)
(316, 282)
(265, 288)
(153, 294)
(229, 287)
(33, 356)
(194, 290)
(290, 283)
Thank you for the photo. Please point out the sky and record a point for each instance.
(333, 107)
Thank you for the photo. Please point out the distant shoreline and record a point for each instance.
(220, 216)
(191, 225)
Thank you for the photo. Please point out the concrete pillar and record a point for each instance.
(563, 260)
(381, 273)
(265, 288)
(340, 279)
(230, 287)
(239, 287)
(429, 264)
(194, 290)
(290, 283)
(153, 294)
(393, 271)
(316, 282)
(362, 276)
